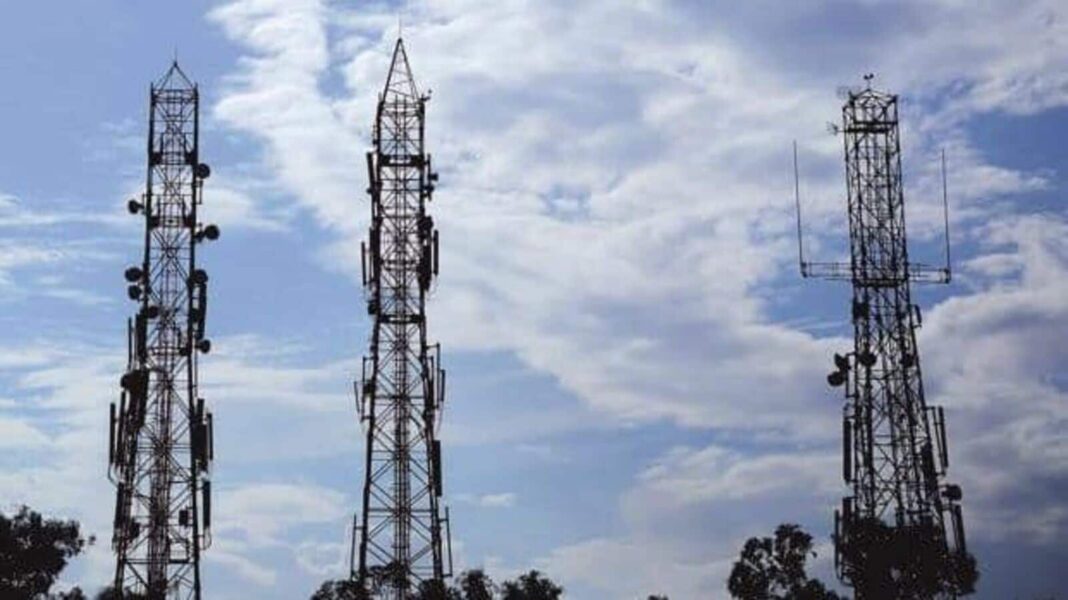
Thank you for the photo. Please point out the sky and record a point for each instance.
(636, 368)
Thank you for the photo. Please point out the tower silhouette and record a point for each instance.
(160, 446)
(900, 533)
(400, 531)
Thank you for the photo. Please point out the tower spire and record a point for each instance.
(399, 81)
(403, 540)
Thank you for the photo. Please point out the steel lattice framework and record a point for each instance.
(161, 434)
(894, 444)
(401, 529)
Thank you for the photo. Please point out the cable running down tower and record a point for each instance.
(900, 533)
(160, 446)
(398, 540)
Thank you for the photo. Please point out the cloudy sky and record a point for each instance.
(636, 368)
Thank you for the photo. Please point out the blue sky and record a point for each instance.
(635, 367)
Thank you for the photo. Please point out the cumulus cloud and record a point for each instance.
(615, 214)
(995, 359)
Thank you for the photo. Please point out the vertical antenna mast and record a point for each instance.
(160, 433)
(900, 533)
(400, 550)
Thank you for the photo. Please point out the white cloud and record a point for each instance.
(17, 433)
(576, 222)
(66, 386)
(615, 212)
(500, 500)
(262, 512)
(995, 360)
(687, 515)
(239, 564)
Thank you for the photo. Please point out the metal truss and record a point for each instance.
(894, 445)
(160, 446)
(398, 540)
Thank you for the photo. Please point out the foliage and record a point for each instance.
(341, 589)
(109, 593)
(476, 585)
(531, 586)
(470, 585)
(33, 551)
(910, 560)
(436, 590)
(774, 569)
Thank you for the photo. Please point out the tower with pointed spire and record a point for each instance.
(400, 540)
(160, 447)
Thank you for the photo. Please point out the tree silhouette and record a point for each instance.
(476, 585)
(340, 589)
(470, 585)
(531, 586)
(910, 560)
(436, 590)
(33, 551)
(774, 569)
(109, 593)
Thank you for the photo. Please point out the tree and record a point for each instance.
(774, 569)
(432, 589)
(476, 585)
(340, 589)
(33, 551)
(109, 593)
(531, 586)
(910, 560)
(470, 585)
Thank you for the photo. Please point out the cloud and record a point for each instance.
(501, 500)
(569, 254)
(995, 360)
(261, 512)
(688, 513)
(53, 429)
(245, 568)
(18, 433)
(615, 214)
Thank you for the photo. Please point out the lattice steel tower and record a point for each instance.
(161, 434)
(901, 528)
(401, 530)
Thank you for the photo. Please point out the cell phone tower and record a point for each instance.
(160, 447)
(400, 532)
(900, 533)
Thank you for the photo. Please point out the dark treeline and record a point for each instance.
(470, 585)
(34, 550)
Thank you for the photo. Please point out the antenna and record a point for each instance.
(402, 7)
(797, 203)
(888, 427)
(161, 449)
(945, 216)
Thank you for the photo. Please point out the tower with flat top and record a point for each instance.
(160, 448)
(899, 534)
